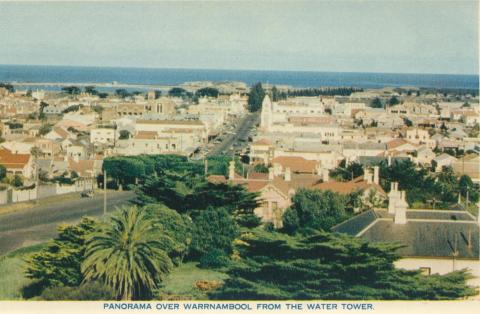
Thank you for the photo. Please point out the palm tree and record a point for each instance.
(127, 255)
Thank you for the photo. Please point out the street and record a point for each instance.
(240, 134)
(37, 224)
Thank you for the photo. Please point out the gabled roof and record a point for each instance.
(296, 164)
(444, 157)
(427, 233)
(10, 160)
(356, 184)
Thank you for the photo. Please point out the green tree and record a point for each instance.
(235, 198)
(58, 264)
(208, 92)
(376, 103)
(177, 92)
(255, 97)
(124, 135)
(347, 172)
(260, 168)
(122, 93)
(327, 266)
(393, 101)
(44, 129)
(3, 172)
(127, 254)
(175, 228)
(276, 94)
(314, 209)
(71, 90)
(8, 87)
(124, 170)
(17, 181)
(465, 185)
(169, 189)
(91, 90)
(407, 122)
(214, 229)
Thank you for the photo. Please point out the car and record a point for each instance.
(88, 193)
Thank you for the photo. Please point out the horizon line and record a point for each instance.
(235, 69)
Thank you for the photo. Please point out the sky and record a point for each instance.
(342, 36)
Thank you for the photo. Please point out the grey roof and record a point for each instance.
(438, 235)
(366, 145)
(428, 239)
(376, 160)
(447, 215)
(356, 224)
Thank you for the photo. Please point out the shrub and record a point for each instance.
(86, 292)
(214, 258)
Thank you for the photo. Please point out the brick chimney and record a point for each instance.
(325, 175)
(401, 210)
(231, 170)
(271, 175)
(367, 176)
(376, 175)
(288, 174)
(393, 196)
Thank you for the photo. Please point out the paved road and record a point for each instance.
(241, 132)
(40, 223)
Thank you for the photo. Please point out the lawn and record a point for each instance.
(181, 282)
(12, 276)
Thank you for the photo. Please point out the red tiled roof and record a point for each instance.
(296, 164)
(10, 160)
(348, 187)
(396, 143)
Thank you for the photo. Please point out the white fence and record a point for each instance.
(12, 195)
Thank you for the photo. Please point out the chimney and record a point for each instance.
(367, 176)
(376, 175)
(401, 210)
(231, 170)
(270, 174)
(325, 175)
(393, 197)
(288, 174)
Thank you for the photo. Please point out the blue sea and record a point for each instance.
(151, 76)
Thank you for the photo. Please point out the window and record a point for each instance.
(425, 271)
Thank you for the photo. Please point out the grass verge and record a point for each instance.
(12, 272)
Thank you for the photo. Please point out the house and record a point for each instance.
(419, 136)
(59, 133)
(424, 156)
(295, 164)
(399, 144)
(102, 136)
(368, 184)
(275, 193)
(442, 160)
(468, 165)
(21, 164)
(435, 241)
(85, 168)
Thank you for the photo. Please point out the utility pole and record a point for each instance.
(104, 192)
